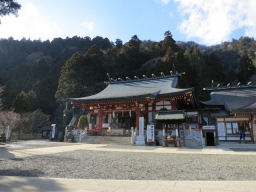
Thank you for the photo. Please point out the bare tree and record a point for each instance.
(8, 120)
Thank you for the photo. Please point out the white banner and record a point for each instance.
(53, 130)
(150, 133)
(141, 126)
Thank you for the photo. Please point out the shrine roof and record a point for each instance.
(233, 99)
(135, 89)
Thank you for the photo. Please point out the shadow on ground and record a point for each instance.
(28, 184)
(5, 154)
(25, 181)
(24, 173)
(243, 149)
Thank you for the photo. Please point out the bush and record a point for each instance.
(82, 122)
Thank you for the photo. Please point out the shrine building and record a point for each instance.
(230, 110)
(134, 103)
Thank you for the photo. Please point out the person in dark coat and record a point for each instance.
(242, 135)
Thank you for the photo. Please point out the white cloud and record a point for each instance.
(165, 1)
(213, 21)
(89, 25)
(29, 24)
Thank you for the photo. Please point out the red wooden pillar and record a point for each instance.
(173, 105)
(100, 122)
(146, 111)
(154, 107)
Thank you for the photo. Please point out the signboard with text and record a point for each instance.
(150, 133)
(209, 127)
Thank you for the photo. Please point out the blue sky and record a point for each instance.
(206, 22)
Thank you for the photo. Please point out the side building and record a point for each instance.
(230, 112)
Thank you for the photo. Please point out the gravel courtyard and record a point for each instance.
(90, 164)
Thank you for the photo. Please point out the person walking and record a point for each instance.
(242, 135)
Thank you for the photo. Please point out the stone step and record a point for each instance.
(192, 143)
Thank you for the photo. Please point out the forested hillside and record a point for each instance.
(32, 68)
(229, 53)
(43, 74)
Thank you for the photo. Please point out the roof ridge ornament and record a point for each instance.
(112, 80)
(250, 84)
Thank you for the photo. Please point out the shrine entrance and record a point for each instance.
(209, 139)
(118, 124)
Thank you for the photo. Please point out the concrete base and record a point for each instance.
(140, 140)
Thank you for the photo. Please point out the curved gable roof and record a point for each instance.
(135, 89)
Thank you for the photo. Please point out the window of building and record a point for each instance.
(235, 127)
(229, 128)
(192, 119)
(244, 125)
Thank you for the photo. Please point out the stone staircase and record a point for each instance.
(192, 143)
(193, 140)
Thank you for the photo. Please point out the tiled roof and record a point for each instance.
(233, 99)
(136, 89)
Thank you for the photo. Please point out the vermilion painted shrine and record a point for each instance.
(118, 107)
(128, 107)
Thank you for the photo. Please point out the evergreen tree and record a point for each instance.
(79, 74)
(69, 85)
(119, 43)
(168, 42)
(9, 7)
(22, 103)
(246, 69)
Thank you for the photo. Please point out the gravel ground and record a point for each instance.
(128, 165)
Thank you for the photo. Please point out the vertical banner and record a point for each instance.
(150, 133)
(141, 126)
(7, 133)
(53, 130)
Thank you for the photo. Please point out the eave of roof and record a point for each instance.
(135, 98)
(135, 90)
